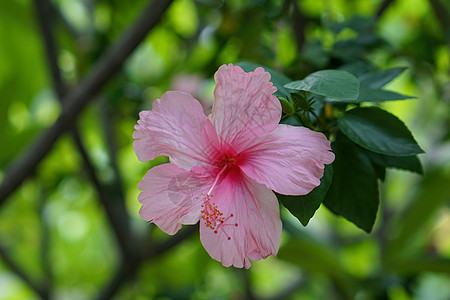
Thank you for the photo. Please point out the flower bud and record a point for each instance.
(287, 106)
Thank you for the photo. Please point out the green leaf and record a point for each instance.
(314, 53)
(301, 102)
(348, 50)
(374, 95)
(353, 193)
(378, 79)
(336, 84)
(357, 68)
(357, 23)
(293, 120)
(304, 207)
(379, 95)
(409, 163)
(378, 131)
(278, 79)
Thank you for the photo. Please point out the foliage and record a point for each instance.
(351, 69)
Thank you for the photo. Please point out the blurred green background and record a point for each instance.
(58, 241)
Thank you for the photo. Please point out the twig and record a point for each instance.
(77, 99)
(40, 290)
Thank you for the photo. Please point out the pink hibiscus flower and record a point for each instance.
(224, 167)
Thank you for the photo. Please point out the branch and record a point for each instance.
(40, 290)
(107, 195)
(126, 272)
(43, 14)
(299, 23)
(46, 260)
(115, 210)
(153, 251)
(78, 98)
(58, 14)
(382, 8)
(115, 198)
(244, 276)
(443, 17)
(128, 268)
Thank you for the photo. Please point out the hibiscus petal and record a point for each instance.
(290, 160)
(244, 108)
(176, 127)
(251, 227)
(170, 196)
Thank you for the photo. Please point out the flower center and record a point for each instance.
(227, 161)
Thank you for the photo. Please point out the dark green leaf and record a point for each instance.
(356, 68)
(410, 163)
(301, 103)
(278, 79)
(353, 193)
(348, 50)
(335, 84)
(378, 79)
(378, 131)
(379, 95)
(379, 170)
(315, 53)
(374, 95)
(304, 207)
(357, 23)
(291, 120)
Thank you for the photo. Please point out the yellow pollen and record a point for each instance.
(213, 217)
(211, 214)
